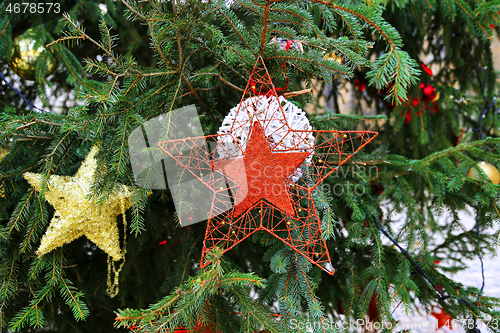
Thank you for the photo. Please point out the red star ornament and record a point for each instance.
(258, 170)
(261, 174)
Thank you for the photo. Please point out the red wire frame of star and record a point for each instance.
(302, 232)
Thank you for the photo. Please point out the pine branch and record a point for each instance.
(72, 298)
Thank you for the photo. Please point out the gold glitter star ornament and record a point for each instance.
(76, 215)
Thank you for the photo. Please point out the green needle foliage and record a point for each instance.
(142, 59)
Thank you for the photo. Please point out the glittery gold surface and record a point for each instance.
(26, 50)
(75, 215)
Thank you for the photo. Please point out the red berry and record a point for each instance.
(163, 242)
(437, 262)
(429, 93)
(492, 26)
(428, 90)
(422, 85)
(426, 69)
(415, 101)
(407, 117)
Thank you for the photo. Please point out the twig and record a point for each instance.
(297, 93)
(220, 78)
(35, 122)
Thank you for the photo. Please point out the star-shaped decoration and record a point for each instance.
(76, 215)
(262, 174)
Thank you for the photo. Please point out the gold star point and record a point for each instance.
(76, 214)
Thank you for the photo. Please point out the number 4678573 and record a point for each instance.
(34, 8)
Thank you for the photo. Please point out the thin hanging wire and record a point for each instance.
(32, 106)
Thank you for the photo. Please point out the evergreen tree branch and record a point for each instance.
(235, 29)
(220, 78)
(133, 10)
(393, 43)
(72, 298)
(311, 294)
(32, 311)
(9, 281)
(20, 213)
(442, 296)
